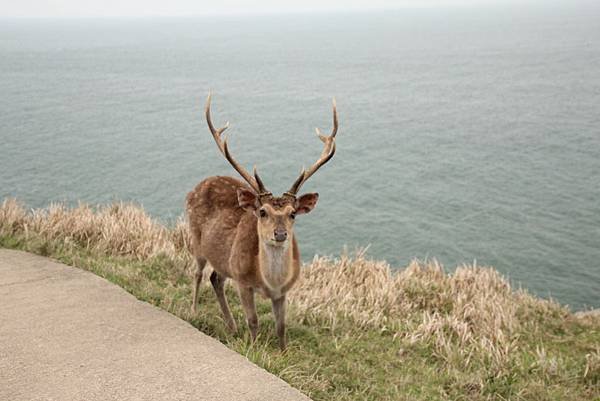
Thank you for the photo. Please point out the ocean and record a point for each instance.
(466, 134)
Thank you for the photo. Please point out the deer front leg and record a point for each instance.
(247, 298)
(218, 283)
(200, 263)
(279, 312)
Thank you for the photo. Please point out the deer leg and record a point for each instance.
(200, 262)
(247, 298)
(218, 283)
(279, 312)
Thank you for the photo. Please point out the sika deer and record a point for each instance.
(246, 233)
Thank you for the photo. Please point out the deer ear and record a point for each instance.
(306, 203)
(247, 199)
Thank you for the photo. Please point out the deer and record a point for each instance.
(247, 234)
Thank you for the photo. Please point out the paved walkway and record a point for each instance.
(66, 334)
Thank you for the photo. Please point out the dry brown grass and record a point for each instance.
(472, 311)
(591, 373)
(120, 229)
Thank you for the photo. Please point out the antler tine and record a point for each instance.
(326, 154)
(335, 125)
(255, 183)
(215, 132)
(261, 187)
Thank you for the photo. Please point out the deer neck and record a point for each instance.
(275, 263)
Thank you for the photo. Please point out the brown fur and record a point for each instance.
(240, 245)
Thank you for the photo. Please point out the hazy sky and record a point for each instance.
(103, 8)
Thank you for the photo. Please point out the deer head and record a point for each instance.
(275, 214)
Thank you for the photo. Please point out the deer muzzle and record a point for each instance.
(280, 234)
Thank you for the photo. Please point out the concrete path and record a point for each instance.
(66, 334)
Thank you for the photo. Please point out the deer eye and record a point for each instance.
(262, 213)
(293, 215)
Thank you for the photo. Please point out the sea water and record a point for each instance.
(466, 134)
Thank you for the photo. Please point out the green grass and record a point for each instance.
(555, 357)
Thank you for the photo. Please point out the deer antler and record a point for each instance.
(326, 155)
(255, 183)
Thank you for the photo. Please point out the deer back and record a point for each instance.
(221, 230)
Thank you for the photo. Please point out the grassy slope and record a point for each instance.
(356, 331)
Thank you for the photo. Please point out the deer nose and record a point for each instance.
(280, 234)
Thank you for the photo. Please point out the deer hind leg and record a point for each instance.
(200, 264)
(218, 283)
(247, 298)
(279, 312)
